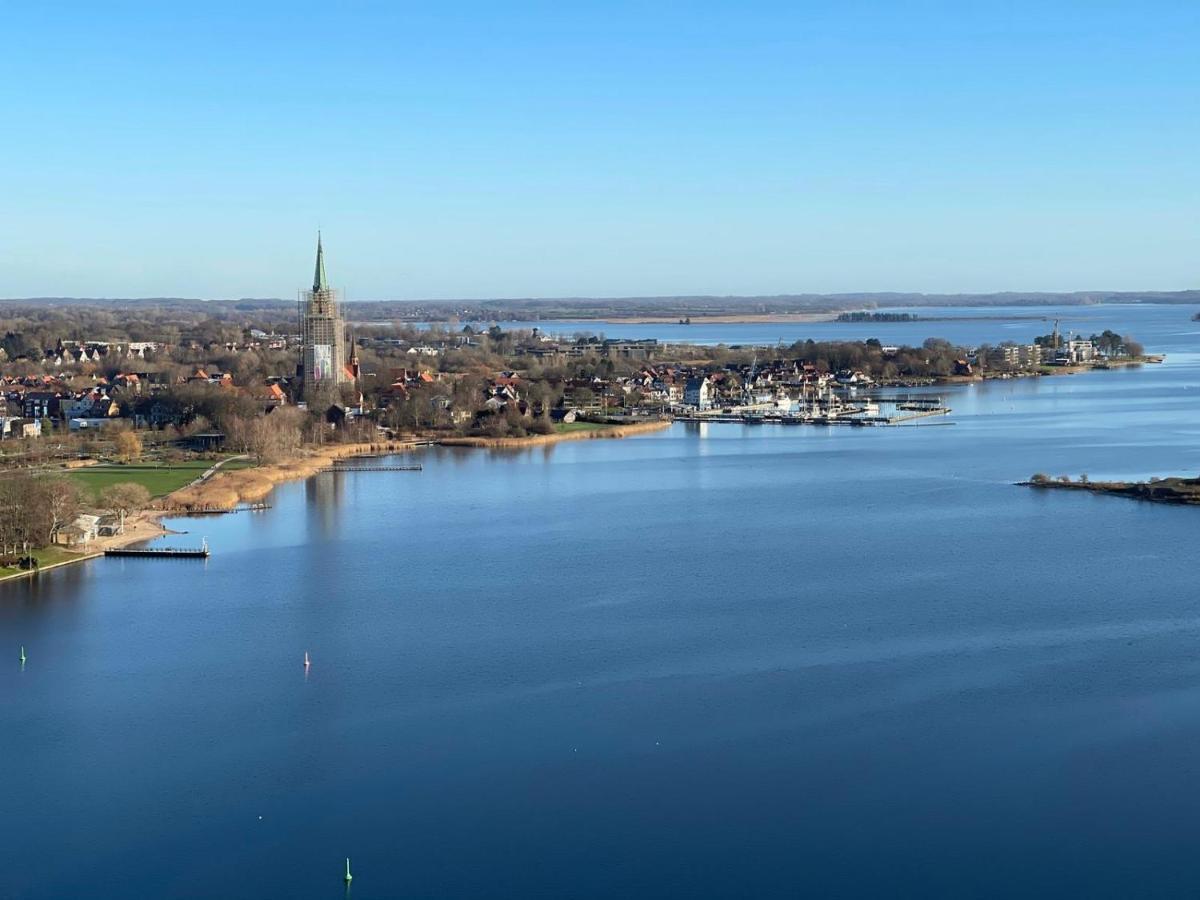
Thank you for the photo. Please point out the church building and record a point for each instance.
(322, 336)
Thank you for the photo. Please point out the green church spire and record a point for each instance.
(319, 281)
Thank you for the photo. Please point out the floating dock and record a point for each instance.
(200, 552)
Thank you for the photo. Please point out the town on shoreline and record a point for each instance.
(108, 423)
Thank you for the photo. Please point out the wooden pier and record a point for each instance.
(249, 507)
(372, 469)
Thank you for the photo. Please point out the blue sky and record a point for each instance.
(599, 149)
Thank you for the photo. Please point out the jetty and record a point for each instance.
(214, 511)
(371, 469)
(200, 552)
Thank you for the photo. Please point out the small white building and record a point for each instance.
(1074, 351)
(81, 532)
(89, 423)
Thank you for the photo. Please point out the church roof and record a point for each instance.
(320, 283)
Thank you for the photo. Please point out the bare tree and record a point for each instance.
(61, 496)
(25, 517)
(124, 498)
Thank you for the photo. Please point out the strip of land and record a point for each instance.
(1184, 491)
(719, 319)
(572, 432)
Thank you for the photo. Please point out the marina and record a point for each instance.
(851, 417)
(831, 409)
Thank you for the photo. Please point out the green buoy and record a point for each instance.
(349, 877)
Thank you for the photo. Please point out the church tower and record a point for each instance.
(322, 334)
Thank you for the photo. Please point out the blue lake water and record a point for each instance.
(967, 326)
(716, 661)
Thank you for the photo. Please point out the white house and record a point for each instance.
(84, 530)
(698, 393)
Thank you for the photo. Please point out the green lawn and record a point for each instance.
(157, 479)
(47, 556)
(566, 427)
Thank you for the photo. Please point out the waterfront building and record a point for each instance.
(640, 349)
(1081, 350)
(1016, 355)
(322, 335)
(83, 530)
(698, 393)
(1075, 351)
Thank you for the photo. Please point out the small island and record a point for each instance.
(1156, 490)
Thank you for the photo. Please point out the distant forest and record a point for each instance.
(529, 309)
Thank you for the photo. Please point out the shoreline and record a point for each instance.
(538, 440)
(214, 492)
(217, 491)
(225, 490)
(1049, 371)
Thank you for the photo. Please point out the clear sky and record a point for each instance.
(492, 149)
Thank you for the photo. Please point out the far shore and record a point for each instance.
(725, 319)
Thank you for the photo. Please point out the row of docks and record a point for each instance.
(860, 412)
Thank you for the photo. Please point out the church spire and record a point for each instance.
(319, 281)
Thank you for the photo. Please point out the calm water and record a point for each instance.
(717, 661)
(969, 326)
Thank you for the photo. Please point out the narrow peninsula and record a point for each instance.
(1156, 490)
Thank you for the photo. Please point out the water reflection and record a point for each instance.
(325, 495)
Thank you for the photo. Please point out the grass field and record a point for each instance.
(47, 556)
(157, 479)
(567, 427)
